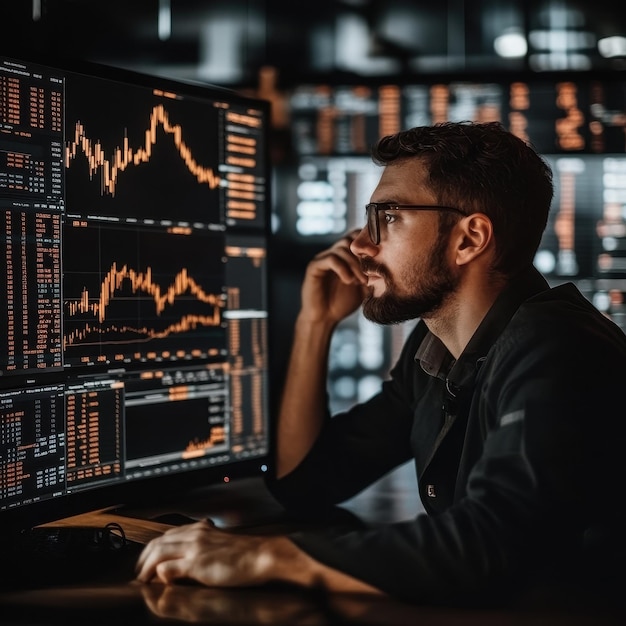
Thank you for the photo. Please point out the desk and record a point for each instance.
(246, 505)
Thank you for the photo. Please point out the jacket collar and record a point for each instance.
(436, 360)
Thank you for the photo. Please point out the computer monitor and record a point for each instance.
(134, 352)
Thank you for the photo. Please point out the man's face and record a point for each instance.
(416, 290)
(409, 273)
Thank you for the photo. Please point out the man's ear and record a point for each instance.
(474, 237)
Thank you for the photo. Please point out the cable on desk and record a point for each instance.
(112, 536)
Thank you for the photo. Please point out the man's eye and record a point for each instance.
(389, 218)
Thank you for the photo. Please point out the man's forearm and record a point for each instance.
(303, 404)
(287, 562)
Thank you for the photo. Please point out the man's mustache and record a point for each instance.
(369, 265)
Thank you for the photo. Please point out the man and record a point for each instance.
(506, 395)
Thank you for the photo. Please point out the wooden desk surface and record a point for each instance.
(135, 528)
(121, 602)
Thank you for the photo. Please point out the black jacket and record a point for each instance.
(518, 448)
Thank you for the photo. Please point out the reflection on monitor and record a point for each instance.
(133, 275)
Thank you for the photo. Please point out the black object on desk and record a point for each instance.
(53, 556)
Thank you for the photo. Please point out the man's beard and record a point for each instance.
(431, 284)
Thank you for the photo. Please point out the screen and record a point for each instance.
(556, 113)
(133, 272)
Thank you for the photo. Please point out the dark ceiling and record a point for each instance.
(229, 41)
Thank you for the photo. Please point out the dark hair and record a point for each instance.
(481, 167)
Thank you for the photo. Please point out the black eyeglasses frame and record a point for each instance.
(373, 208)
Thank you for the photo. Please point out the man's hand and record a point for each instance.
(216, 558)
(334, 285)
(203, 553)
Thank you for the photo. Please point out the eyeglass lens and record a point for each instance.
(371, 211)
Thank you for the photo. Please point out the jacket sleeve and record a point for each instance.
(473, 551)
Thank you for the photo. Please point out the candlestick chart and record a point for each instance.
(143, 293)
(153, 158)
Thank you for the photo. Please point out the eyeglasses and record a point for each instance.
(373, 220)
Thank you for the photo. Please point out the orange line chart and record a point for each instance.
(139, 281)
(125, 283)
(125, 156)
